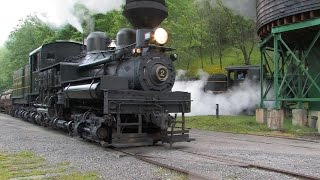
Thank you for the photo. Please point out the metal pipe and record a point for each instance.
(86, 91)
(217, 111)
(112, 57)
(91, 64)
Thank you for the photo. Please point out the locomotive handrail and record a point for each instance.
(112, 57)
(95, 63)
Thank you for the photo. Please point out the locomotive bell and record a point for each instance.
(145, 13)
(97, 41)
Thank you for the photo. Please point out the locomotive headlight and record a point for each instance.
(161, 36)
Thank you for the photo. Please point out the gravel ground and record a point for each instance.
(55, 147)
(287, 154)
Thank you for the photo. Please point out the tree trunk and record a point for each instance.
(245, 55)
(201, 39)
(188, 64)
(211, 54)
(201, 56)
(220, 56)
(220, 44)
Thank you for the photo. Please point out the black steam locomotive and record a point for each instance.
(118, 96)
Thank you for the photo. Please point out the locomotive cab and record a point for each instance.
(238, 74)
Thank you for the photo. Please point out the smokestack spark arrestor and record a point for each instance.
(145, 14)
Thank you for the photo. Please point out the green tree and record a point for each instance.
(111, 22)
(30, 34)
(67, 33)
(218, 36)
(5, 73)
(242, 32)
(184, 27)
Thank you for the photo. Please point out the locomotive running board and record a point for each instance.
(140, 102)
(119, 102)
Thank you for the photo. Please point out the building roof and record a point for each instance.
(58, 41)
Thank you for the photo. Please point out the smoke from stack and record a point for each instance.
(235, 101)
(77, 12)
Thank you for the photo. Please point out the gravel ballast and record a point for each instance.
(55, 147)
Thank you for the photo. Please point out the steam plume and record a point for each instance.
(233, 102)
(77, 12)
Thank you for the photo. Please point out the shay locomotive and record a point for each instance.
(118, 96)
(236, 75)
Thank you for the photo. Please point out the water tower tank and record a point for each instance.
(272, 13)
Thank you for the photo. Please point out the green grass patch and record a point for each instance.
(27, 164)
(244, 125)
(164, 173)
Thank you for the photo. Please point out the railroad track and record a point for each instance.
(254, 165)
(271, 136)
(149, 159)
(279, 137)
(216, 158)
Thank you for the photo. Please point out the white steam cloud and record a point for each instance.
(234, 101)
(62, 12)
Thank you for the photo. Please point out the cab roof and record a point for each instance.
(56, 42)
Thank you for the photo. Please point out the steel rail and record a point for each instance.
(267, 136)
(257, 166)
(148, 159)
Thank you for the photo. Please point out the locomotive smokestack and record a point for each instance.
(145, 14)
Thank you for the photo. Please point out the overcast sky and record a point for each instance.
(13, 10)
(55, 12)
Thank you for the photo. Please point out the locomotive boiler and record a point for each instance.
(118, 96)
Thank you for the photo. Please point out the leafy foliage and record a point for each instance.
(30, 34)
(111, 22)
(27, 165)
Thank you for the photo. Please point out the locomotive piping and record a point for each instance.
(112, 57)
